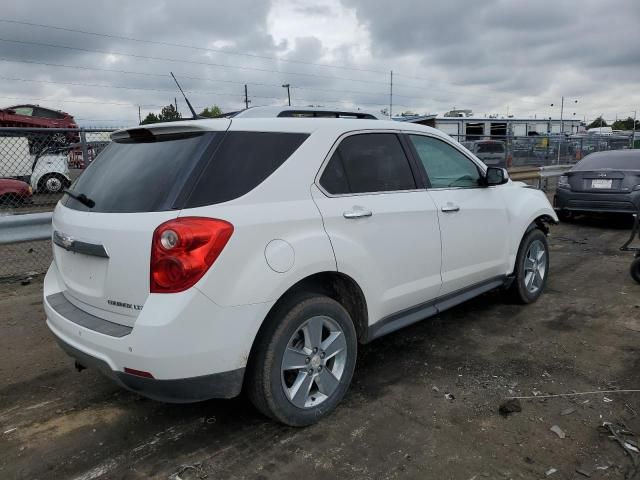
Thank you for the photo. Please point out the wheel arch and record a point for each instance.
(338, 286)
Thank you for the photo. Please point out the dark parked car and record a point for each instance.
(14, 192)
(601, 182)
(35, 116)
(493, 153)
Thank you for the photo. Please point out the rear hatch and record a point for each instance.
(138, 182)
(603, 181)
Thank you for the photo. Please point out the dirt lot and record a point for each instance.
(583, 335)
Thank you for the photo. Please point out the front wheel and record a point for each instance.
(532, 267)
(304, 360)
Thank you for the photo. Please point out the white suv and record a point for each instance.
(194, 258)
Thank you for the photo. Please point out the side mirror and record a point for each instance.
(496, 176)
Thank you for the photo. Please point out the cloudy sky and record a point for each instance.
(104, 59)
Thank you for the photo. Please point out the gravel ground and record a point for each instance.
(397, 420)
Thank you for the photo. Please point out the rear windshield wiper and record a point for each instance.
(81, 197)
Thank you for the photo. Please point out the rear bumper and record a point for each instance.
(181, 390)
(568, 200)
(193, 348)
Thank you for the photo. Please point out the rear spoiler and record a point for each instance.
(153, 130)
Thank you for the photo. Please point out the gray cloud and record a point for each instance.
(482, 55)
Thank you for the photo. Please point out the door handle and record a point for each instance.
(357, 212)
(450, 208)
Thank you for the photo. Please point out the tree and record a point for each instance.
(150, 118)
(597, 123)
(169, 114)
(212, 112)
(626, 124)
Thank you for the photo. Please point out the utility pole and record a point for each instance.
(288, 86)
(139, 116)
(633, 135)
(391, 95)
(175, 101)
(246, 97)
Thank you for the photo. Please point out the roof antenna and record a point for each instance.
(193, 112)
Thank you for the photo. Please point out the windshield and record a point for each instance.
(619, 160)
(490, 148)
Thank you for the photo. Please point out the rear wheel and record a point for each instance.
(635, 269)
(532, 267)
(304, 360)
(53, 183)
(565, 215)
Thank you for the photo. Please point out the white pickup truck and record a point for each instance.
(46, 171)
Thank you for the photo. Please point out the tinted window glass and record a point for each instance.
(241, 163)
(623, 160)
(140, 177)
(445, 166)
(334, 179)
(45, 113)
(374, 162)
(490, 148)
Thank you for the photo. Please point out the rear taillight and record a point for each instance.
(183, 249)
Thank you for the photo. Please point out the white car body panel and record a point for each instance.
(286, 229)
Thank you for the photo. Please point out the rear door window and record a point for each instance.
(241, 163)
(368, 163)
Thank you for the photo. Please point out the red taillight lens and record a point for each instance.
(183, 249)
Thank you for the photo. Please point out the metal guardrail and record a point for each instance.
(541, 174)
(25, 228)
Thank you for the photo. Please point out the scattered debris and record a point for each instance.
(537, 394)
(189, 472)
(210, 420)
(550, 472)
(618, 432)
(26, 281)
(435, 389)
(558, 431)
(567, 411)
(449, 396)
(10, 430)
(510, 406)
(587, 472)
(630, 408)
(607, 400)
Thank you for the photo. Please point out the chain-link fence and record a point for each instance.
(36, 165)
(540, 150)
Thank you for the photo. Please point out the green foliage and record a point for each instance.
(212, 112)
(150, 118)
(169, 114)
(626, 124)
(597, 123)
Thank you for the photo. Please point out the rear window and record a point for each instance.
(152, 174)
(241, 163)
(490, 148)
(619, 160)
(140, 176)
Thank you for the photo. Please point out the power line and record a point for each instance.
(193, 62)
(162, 75)
(203, 92)
(194, 47)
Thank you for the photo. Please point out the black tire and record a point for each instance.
(519, 290)
(265, 379)
(635, 269)
(63, 183)
(565, 215)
